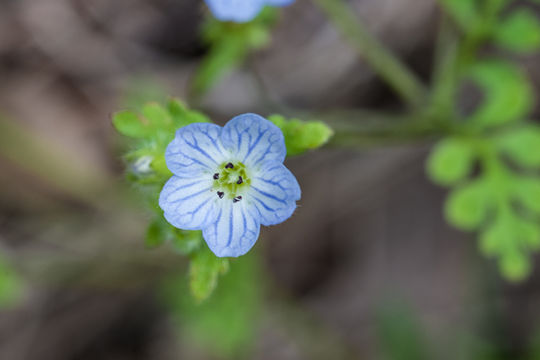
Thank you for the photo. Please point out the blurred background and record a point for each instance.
(367, 268)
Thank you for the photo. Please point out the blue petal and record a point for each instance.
(234, 232)
(279, 2)
(195, 149)
(189, 203)
(273, 193)
(235, 10)
(253, 140)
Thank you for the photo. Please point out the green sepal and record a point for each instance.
(129, 124)
(186, 241)
(301, 136)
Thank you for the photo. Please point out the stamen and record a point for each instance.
(216, 176)
(220, 194)
(239, 180)
(237, 199)
(229, 166)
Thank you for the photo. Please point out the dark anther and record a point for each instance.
(216, 176)
(239, 180)
(237, 199)
(229, 166)
(221, 194)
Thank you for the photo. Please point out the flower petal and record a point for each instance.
(189, 203)
(195, 149)
(253, 140)
(235, 10)
(234, 232)
(273, 193)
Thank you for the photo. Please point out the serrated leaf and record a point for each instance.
(519, 32)
(466, 207)
(522, 145)
(451, 161)
(508, 95)
(204, 271)
(129, 124)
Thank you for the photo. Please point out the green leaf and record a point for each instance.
(156, 115)
(186, 241)
(156, 234)
(527, 192)
(519, 32)
(515, 266)
(204, 271)
(183, 116)
(451, 161)
(129, 124)
(464, 12)
(508, 95)
(467, 206)
(522, 145)
(301, 136)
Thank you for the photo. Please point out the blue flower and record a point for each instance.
(228, 181)
(241, 10)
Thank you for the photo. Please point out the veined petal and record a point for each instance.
(273, 193)
(253, 140)
(279, 2)
(235, 10)
(195, 149)
(189, 203)
(234, 232)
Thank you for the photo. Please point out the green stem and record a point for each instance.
(358, 128)
(445, 75)
(386, 64)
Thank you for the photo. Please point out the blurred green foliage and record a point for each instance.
(229, 45)
(226, 323)
(401, 336)
(490, 157)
